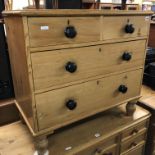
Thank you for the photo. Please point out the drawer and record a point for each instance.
(136, 151)
(112, 150)
(114, 27)
(133, 142)
(134, 130)
(108, 146)
(44, 31)
(49, 68)
(62, 106)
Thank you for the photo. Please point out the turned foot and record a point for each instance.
(41, 145)
(131, 108)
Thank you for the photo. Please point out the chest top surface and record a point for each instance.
(77, 12)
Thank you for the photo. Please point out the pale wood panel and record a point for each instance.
(90, 96)
(49, 67)
(66, 46)
(27, 43)
(113, 27)
(71, 12)
(88, 29)
(19, 66)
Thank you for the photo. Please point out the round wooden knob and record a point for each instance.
(71, 67)
(123, 89)
(71, 104)
(129, 28)
(70, 32)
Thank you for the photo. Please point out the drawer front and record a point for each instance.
(133, 142)
(134, 130)
(63, 106)
(99, 150)
(49, 68)
(63, 30)
(114, 27)
(137, 151)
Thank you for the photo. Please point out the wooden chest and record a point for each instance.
(71, 64)
(109, 133)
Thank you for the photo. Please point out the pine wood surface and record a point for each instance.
(106, 59)
(102, 95)
(19, 68)
(84, 12)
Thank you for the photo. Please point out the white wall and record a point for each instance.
(19, 4)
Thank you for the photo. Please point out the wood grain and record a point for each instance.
(18, 59)
(49, 67)
(70, 12)
(93, 96)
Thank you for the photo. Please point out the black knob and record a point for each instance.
(129, 28)
(71, 67)
(126, 56)
(71, 104)
(123, 89)
(70, 32)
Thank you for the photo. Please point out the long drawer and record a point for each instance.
(46, 31)
(62, 106)
(125, 27)
(52, 68)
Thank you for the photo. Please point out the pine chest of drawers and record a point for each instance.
(71, 64)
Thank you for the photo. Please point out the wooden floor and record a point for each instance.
(15, 138)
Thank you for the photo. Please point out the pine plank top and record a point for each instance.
(70, 12)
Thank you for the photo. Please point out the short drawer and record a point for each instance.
(62, 106)
(44, 31)
(134, 130)
(66, 66)
(125, 27)
(136, 151)
(133, 142)
(106, 147)
(112, 150)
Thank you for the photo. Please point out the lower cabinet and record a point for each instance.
(109, 133)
